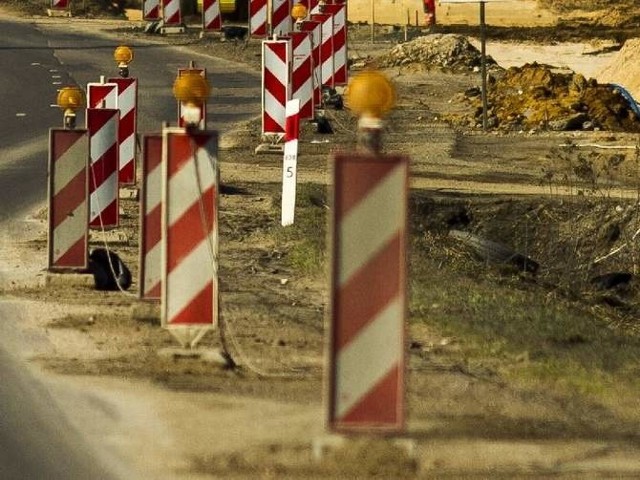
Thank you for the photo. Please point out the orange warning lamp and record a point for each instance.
(70, 99)
(370, 95)
(192, 89)
(123, 56)
(298, 12)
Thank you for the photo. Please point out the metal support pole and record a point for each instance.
(373, 20)
(370, 135)
(483, 64)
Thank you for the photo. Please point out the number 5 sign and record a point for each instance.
(290, 161)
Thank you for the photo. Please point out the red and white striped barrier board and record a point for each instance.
(275, 85)
(151, 218)
(326, 47)
(151, 10)
(102, 95)
(313, 6)
(68, 199)
(281, 21)
(290, 162)
(127, 129)
(190, 233)
(102, 124)
(339, 13)
(211, 17)
(368, 294)
(302, 72)
(203, 106)
(315, 29)
(429, 12)
(258, 26)
(60, 4)
(171, 13)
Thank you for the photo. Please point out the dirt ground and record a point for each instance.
(182, 417)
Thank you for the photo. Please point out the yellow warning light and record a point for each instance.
(123, 55)
(191, 87)
(70, 98)
(370, 94)
(298, 11)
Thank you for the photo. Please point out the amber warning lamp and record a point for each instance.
(370, 95)
(123, 56)
(192, 90)
(69, 100)
(298, 13)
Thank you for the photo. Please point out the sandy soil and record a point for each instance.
(505, 13)
(163, 416)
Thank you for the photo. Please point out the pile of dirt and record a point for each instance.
(449, 51)
(624, 68)
(538, 96)
(586, 5)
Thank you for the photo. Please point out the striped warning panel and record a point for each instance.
(275, 85)
(258, 26)
(313, 6)
(151, 9)
(102, 124)
(281, 17)
(339, 13)
(302, 72)
(60, 4)
(315, 29)
(368, 299)
(127, 89)
(326, 47)
(151, 218)
(190, 233)
(211, 18)
(68, 199)
(102, 95)
(171, 13)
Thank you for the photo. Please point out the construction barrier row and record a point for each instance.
(179, 210)
(266, 18)
(298, 65)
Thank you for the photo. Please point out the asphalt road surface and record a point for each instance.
(36, 441)
(38, 60)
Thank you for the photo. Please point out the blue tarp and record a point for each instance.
(628, 97)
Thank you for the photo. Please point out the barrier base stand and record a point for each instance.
(329, 443)
(58, 13)
(269, 148)
(171, 30)
(210, 34)
(109, 236)
(129, 192)
(212, 355)
(69, 278)
(271, 143)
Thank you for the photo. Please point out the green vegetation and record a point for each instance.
(548, 332)
(522, 330)
(306, 238)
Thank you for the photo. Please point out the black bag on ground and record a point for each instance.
(109, 271)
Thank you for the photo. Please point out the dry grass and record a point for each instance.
(588, 5)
